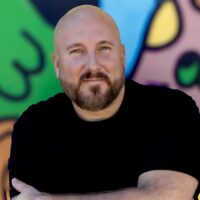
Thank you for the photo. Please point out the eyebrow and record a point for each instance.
(81, 45)
(74, 46)
(106, 42)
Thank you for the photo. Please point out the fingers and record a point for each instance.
(15, 198)
(20, 186)
(27, 192)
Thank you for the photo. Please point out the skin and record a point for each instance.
(69, 67)
(90, 61)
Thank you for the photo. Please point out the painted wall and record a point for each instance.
(161, 39)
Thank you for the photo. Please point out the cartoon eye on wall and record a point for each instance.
(171, 56)
(188, 69)
(165, 27)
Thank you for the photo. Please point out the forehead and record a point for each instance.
(87, 27)
(88, 36)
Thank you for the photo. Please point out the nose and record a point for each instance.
(92, 62)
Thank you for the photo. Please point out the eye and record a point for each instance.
(76, 51)
(104, 48)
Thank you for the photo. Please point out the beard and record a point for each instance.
(97, 98)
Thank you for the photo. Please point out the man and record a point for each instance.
(68, 147)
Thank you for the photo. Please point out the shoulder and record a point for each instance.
(160, 95)
(163, 103)
(152, 90)
(43, 110)
(40, 119)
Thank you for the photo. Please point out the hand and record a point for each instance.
(27, 192)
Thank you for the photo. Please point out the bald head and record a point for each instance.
(89, 59)
(84, 14)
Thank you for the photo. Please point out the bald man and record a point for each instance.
(68, 146)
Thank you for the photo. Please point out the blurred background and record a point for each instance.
(162, 40)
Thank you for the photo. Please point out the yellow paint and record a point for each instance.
(165, 25)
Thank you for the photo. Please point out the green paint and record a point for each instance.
(188, 75)
(16, 16)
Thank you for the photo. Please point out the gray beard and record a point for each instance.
(96, 100)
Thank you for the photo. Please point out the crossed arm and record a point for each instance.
(152, 185)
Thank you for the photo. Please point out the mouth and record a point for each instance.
(94, 79)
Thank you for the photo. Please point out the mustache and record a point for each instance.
(97, 75)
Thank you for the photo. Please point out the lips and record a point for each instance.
(187, 70)
(94, 79)
(98, 76)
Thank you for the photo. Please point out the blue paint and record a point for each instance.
(133, 19)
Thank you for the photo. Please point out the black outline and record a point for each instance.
(179, 31)
(193, 2)
(195, 81)
(145, 47)
(25, 72)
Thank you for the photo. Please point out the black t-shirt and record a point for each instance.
(57, 152)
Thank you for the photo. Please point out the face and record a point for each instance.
(89, 61)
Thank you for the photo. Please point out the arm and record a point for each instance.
(152, 185)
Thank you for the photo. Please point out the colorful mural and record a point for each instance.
(161, 39)
(171, 53)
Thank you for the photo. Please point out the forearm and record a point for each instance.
(152, 185)
(126, 194)
(165, 186)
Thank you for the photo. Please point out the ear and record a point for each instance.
(56, 64)
(123, 54)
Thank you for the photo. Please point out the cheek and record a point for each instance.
(118, 70)
(115, 65)
(106, 58)
(70, 71)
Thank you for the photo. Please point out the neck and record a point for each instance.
(101, 114)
